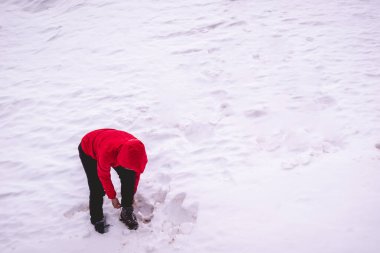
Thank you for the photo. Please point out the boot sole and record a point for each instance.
(130, 228)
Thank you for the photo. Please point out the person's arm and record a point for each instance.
(104, 173)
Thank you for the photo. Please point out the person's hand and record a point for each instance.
(116, 203)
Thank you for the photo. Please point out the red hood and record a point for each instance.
(132, 156)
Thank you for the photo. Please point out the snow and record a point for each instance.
(260, 119)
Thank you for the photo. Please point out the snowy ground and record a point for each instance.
(260, 118)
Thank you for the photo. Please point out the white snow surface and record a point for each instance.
(261, 121)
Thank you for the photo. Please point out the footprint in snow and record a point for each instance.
(178, 213)
(143, 209)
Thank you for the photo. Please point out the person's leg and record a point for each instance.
(127, 180)
(95, 186)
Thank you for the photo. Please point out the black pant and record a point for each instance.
(127, 179)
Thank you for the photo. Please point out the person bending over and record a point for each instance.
(100, 150)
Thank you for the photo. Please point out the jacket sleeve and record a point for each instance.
(104, 173)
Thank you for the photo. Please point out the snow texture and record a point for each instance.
(261, 121)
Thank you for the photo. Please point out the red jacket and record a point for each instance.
(113, 148)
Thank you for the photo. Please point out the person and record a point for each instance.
(100, 150)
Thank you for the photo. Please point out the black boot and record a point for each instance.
(128, 217)
(101, 226)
